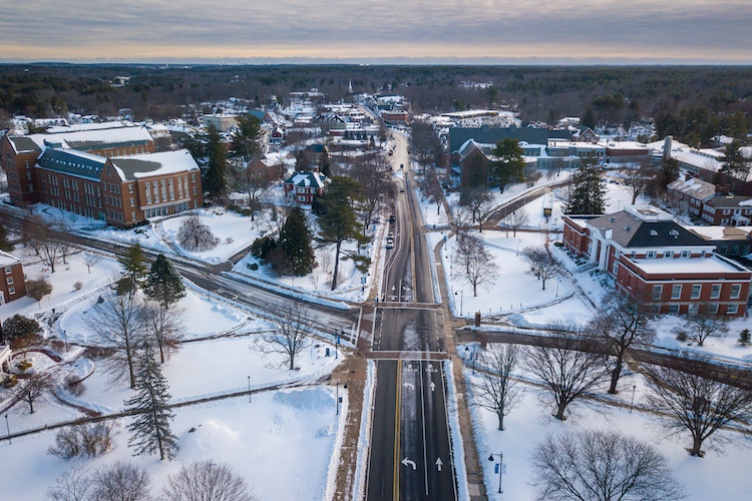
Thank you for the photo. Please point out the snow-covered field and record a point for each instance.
(717, 476)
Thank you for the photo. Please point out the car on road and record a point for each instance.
(402, 190)
(392, 218)
(390, 243)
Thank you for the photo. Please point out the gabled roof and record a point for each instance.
(694, 187)
(729, 201)
(73, 162)
(154, 164)
(84, 140)
(644, 227)
(307, 179)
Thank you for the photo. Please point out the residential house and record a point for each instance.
(729, 241)
(12, 280)
(690, 195)
(303, 186)
(728, 210)
(658, 262)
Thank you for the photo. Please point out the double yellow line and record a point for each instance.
(398, 398)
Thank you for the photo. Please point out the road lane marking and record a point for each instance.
(423, 416)
(395, 490)
(407, 462)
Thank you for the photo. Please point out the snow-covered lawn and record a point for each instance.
(722, 477)
(280, 444)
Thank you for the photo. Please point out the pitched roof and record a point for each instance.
(730, 201)
(307, 179)
(645, 227)
(694, 187)
(85, 139)
(73, 162)
(492, 135)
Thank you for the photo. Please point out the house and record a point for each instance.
(690, 195)
(5, 357)
(658, 262)
(586, 135)
(12, 281)
(303, 186)
(222, 123)
(728, 210)
(729, 241)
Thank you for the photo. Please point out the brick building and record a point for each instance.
(12, 281)
(122, 182)
(656, 261)
(303, 186)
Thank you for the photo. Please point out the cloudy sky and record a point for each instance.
(190, 30)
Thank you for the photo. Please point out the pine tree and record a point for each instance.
(5, 244)
(295, 240)
(324, 166)
(150, 428)
(510, 163)
(163, 282)
(133, 265)
(587, 194)
(245, 139)
(217, 173)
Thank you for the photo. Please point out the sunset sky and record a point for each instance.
(349, 30)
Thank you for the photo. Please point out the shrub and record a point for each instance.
(252, 266)
(744, 338)
(262, 245)
(10, 381)
(23, 365)
(90, 440)
(681, 336)
(74, 385)
(66, 444)
(78, 286)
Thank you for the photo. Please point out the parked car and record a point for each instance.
(390, 243)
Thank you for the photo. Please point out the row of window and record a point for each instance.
(715, 291)
(712, 308)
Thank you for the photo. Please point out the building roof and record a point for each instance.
(96, 139)
(694, 187)
(154, 164)
(307, 179)
(492, 135)
(640, 227)
(729, 201)
(73, 162)
(719, 233)
(8, 259)
(710, 265)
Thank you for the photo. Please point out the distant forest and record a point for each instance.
(694, 103)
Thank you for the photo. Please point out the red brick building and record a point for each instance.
(657, 261)
(303, 186)
(12, 282)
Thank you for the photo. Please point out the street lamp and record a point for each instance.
(344, 387)
(8, 427)
(462, 297)
(65, 339)
(249, 389)
(631, 406)
(501, 467)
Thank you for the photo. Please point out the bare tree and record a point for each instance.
(568, 367)
(457, 218)
(542, 264)
(700, 397)
(295, 328)
(622, 324)
(32, 387)
(73, 485)
(494, 388)
(479, 203)
(702, 324)
(119, 323)
(194, 235)
(601, 466)
(379, 190)
(476, 261)
(254, 180)
(205, 480)
(164, 327)
(91, 259)
(431, 188)
(516, 220)
(38, 288)
(121, 482)
(61, 229)
(638, 179)
(33, 232)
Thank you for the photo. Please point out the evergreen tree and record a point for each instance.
(295, 241)
(5, 244)
(245, 139)
(586, 193)
(150, 428)
(588, 119)
(301, 162)
(217, 172)
(135, 268)
(735, 165)
(340, 222)
(163, 282)
(324, 166)
(509, 164)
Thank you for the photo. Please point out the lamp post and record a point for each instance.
(65, 339)
(249, 389)
(344, 387)
(8, 428)
(558, 281)
(501, 467)
(462, 297)
(631, 406)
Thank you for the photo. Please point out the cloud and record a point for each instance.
(404, 28)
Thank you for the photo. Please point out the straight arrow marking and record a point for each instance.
(439, 463)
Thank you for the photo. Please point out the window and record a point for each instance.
(696, 291)
(676, 291)
(713, 308)
(736, 290)
(673, 308)
(651, 254)
(10, 280)
(685, 253)
(715, 291)
(130, 188)
(615, 269)
(732, 309)
(7, 269)
(657, 292)
(11, 290)
(668, 254)
(133, 202)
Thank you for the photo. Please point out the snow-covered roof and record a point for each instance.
(83, 140)
(694, 187)
(87, 127)
(711, 265)
(702, 159)
(72, 162)
(8, 259)
(307, 179)
(154, 164)
(721, 232)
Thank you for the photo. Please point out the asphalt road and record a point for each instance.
(410, 456)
